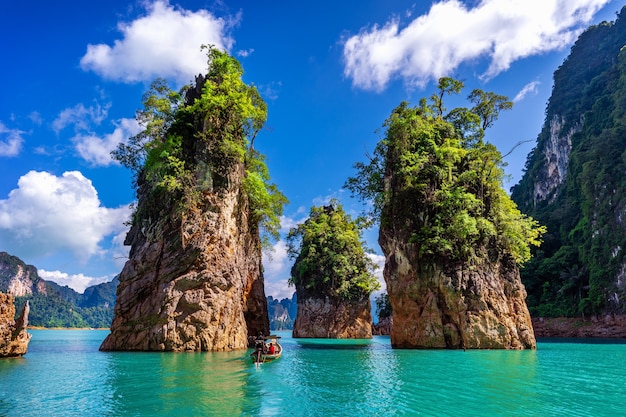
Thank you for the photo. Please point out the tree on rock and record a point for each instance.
(205, 206)
(452, 237)
(332, 274)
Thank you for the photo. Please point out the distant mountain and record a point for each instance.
(53, 305)
(282, 313)
(574, 182)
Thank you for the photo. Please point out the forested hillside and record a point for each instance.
(575, 183)
(53, 305)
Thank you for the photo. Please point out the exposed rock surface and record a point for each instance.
(483, 308)
(596, 327)
(336, 319)
(14, 338)
(19, 279)
(383, 327)
(193, 282)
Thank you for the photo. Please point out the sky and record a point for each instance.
(331, 72)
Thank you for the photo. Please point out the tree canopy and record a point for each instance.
(433, 174)
(330, 257)
(192, 139)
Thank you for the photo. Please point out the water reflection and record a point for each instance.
(176, 384)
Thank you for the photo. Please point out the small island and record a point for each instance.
(333, 276)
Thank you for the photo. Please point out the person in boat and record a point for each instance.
(271, 349)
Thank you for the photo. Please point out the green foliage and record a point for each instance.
(330, 256)
(433, 174)
(52, 311)
(577, 268)
(193, 139)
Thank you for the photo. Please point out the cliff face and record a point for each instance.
(483, 308)
(327, 318)
(195, 285)
(574, 185)
(19, 279)
(14, 338)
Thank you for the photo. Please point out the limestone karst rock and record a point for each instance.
(333, 276)
(14, 338)
(335, 319)
(482, 308)
(193, 281)
(452, 238)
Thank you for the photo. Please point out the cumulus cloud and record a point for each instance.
(452, 33)
(77, 282)
(47, 215)
(97, 150)
(10, 141)
(530, 88)
(379, 261)
(81, 117)
(163, 43)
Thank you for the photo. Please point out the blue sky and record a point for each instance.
(73, 74)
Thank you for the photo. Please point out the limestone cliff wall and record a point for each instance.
(14, 338)
(193, 281)
(195, 286)
(327, 318)
(481, 308)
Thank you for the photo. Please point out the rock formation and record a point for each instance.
(333, 276)
(452, 238)
(483, 308)
(19, 279)
(193, 282)
(14, 338)
(336, 319)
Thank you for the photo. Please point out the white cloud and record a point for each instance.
(451, 33)
(81, 117)
(277, 270)
(77, 282)
(97, 150)
(47, 215)
(530, 88)
(379, 260)
(10, 141)
(163, 43)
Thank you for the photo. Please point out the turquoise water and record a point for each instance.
(64, 374)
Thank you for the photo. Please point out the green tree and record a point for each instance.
(330, 259)
(193, 138)
(433, 174)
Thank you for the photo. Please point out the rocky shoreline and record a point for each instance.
(610, 326)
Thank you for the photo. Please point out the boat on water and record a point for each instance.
(266, 349)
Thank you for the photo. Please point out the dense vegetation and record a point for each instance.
(193, 140)
(434, 178)
(330, 259)
(53, 311)
(578, 269)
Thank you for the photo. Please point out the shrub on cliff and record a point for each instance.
(330, 257)
(193, 138)
(433, 180)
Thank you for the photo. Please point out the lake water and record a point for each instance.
(64, 374)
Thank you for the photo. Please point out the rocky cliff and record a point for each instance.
(19, 279)
(336, 319)
(452, 238)
(14, 338)
(194, 279)
(574, 182)
(479, 308)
